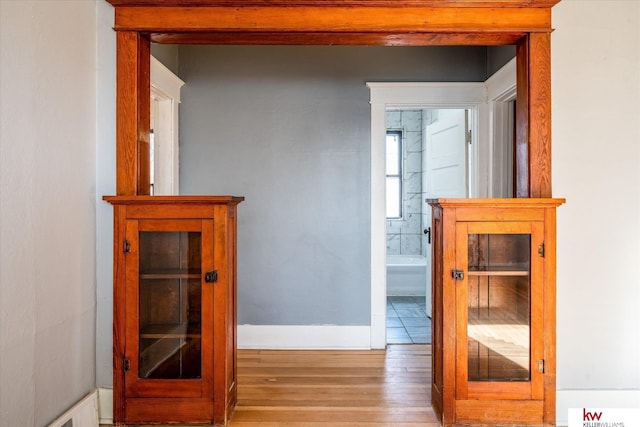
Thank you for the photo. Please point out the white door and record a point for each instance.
(445, 168)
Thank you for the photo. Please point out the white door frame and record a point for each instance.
(472, 96)
(501, 90)
(165, 93)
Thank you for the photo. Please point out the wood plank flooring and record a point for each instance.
(335, 388)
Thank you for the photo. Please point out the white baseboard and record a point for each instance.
(82, 414)
(297, 337)
(566, 399)
(105, 405)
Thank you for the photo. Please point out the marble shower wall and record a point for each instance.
(404, 236)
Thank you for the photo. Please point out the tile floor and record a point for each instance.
(407, 321)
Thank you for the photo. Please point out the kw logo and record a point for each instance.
(590, 416)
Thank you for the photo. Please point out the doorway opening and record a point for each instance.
(445, 97)
(426, 157)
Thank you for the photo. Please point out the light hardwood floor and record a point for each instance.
(335, 388)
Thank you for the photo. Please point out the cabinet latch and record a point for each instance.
(126, 364)
(457, 274)
(541, 366)
(211, 276)
(541, 250)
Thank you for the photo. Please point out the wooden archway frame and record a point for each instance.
(525, 23)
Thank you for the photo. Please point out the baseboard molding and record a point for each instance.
(308, 337)
(105, 405)
(82, 414)
(566, 399)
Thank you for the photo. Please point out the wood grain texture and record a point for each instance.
(143, 128)
(310, 19)
(126, 113)
(449, 327)
(352, 38)
(119, 330)
(343, 3)
(132, 116)
(337, 388)
(210, 396)
(550, 317)
(539, 115)
(456, 399)
(334, 388)
(437, 383)
(500, 412)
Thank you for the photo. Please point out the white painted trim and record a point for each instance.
(378, 227)
(501, 86)
(105, 405)
(501, 89)
(428, 95)
(566, 399)
(82, 414)
(307, 337)
(472, 96)
(165, 92)
(164, 79)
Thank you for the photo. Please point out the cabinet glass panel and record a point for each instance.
(170, 305)
(499, 314)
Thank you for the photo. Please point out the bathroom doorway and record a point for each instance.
(426, 157)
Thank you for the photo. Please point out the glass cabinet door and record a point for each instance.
(499, 308)
(168, 319)
(170, 295)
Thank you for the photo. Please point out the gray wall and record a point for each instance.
(47, 208)
(498, 56)
(168, 54)
(288, 128)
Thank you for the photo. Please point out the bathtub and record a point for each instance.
(406, 275)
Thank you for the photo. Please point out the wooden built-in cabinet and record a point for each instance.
(175, 308)
(494, 311)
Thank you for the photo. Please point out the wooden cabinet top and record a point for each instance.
(497, 203)
(184, 200)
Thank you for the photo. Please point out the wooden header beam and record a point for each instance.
(339, 3)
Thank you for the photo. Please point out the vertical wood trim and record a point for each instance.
(119, 330)
(537, 307)
(449, 320)
(232, 388)
(131, 305)
(462, 313)
(549, 405)
(132, 113)
(540, 115)
(521, 163)
(208, 310)
(144, 114)
(220, 314)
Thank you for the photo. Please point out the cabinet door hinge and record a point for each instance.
(126, 247)
(541, 250)
(468, 136)
(126, 364)
(457, 274)
(541, 366)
